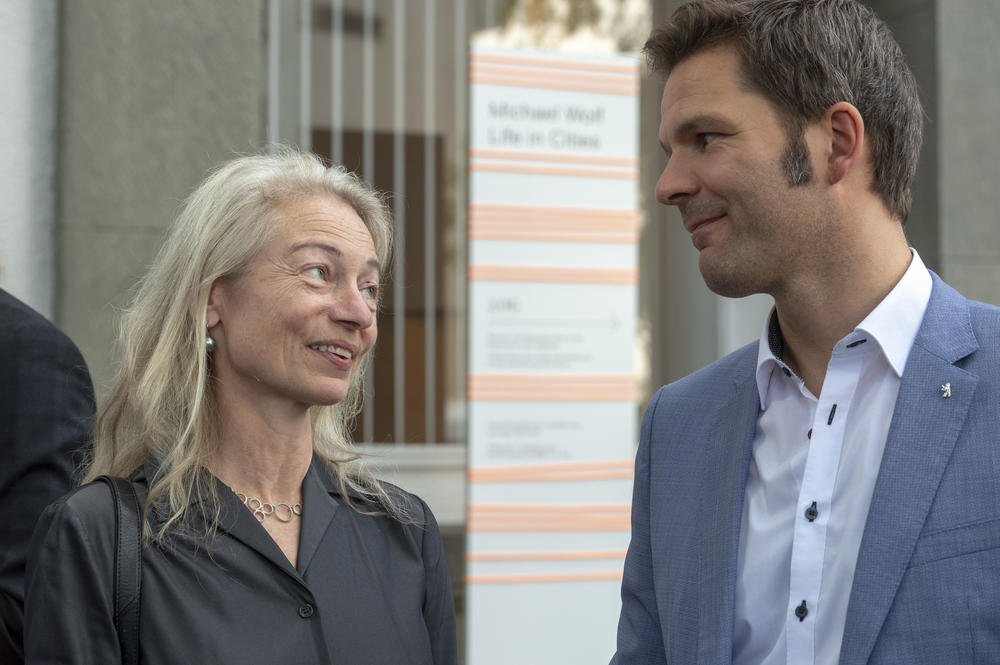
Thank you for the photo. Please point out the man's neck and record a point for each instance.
(822, 308)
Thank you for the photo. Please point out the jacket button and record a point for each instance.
(306, 611)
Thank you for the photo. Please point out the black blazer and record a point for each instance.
(367, 589)
(46, 407)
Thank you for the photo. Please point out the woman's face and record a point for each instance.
(292, 330)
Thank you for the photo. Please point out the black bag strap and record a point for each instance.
(128, 565)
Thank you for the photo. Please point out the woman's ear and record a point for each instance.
(216, 294)
(847, 140)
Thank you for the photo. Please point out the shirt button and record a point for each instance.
(306, 611)
(812, 512)
(802, 611)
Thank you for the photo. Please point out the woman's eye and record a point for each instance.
(316, 271)
(370, 292)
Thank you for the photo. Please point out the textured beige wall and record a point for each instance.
(153, 94)
(953, 51)
(969, 100)
(912, 23)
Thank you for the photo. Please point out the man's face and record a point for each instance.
(727, 149)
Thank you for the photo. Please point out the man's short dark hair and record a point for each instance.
(805, 56)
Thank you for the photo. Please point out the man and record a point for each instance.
(830, 493)
(46, 407)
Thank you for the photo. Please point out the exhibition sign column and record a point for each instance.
(553, 226)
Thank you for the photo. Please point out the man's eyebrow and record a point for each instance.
(701, 120)
(331, 249)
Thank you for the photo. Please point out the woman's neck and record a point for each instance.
(261, 454)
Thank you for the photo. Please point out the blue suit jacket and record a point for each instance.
(927, 583)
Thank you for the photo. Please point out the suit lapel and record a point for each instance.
(925, 425)
(729, 445)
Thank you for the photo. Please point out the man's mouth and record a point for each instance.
(704, 221)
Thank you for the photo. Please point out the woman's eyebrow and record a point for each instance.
(329, 249)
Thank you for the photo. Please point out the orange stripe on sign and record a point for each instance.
(553, 526)
(488, 273)
(554, 70)
(535, 508)
(626, 395)
(577, 555)
(572, 521)
(532, 578)
(569, 471)
(546, 518)
(533, 223)
(554, 84)
(567, 223)
(529, 61)
(568, 476)
(570, 379)
(528, 236)
(523, 155)
(558, 466)
(622, 174)
(528, 387)
(482, 70)
(543, 223)
(511, 211)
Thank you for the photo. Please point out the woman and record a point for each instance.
(242, 361)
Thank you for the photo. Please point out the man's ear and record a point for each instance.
(215, 296)
(847, 140)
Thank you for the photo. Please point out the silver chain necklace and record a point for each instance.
(262, 509)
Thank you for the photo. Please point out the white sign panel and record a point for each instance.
(553, 225)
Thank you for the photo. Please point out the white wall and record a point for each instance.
(27, 165)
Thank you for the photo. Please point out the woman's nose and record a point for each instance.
(354, 307)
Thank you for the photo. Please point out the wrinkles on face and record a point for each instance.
(299, 321)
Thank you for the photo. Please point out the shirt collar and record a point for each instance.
(893, 324)
(769, 351)
(896, 320)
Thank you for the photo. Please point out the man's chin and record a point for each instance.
(726, 282)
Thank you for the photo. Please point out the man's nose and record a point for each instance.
(676, 183)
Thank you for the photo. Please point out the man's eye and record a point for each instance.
(316, 271)
(707, 137)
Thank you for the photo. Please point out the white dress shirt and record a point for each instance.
(810, 482)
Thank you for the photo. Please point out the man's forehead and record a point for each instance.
(714, 71)
(710, 84)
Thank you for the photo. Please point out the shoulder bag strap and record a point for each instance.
(128, 566)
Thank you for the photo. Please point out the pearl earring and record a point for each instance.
(209, 343)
